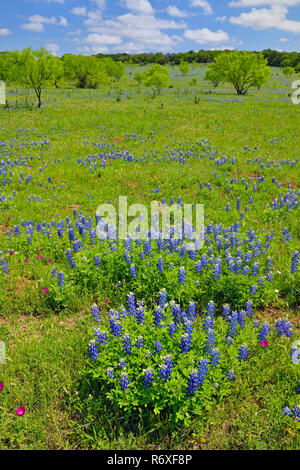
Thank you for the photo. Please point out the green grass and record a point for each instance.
(46, 347)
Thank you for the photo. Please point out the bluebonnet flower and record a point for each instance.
(207, 323)
(181, 275)
(60, 279)
(242, 318)
(132, 271)
(294, 413)
(284, 327)
(226, 311)
(167, 359)
(243, 352)
(286, 411)
(269, 264)
(3, 263)
(255, 269)
(147, 247)
(93, 350)
(217, 269)
(127, 257)
(294, 264)
(210, 309)
(232, 325)
(160, 264)
(124, 381)
(162, 299)
(122, 363)
(148, 377)
(116, 327)
(71, 258)
(193, 383)
(131, 303)
(263, 332)
(198, 267)
(157, 316)
(158, 346)
(127, 344)
(253, 289)
(214, 358)
(139, 342)
(165, 371)
(185, 343)
(110, 373)
(188, 326)
(97, 261)
(140, 314)
(238, 203)
(230, 374)
(176, 312)
(249, 309)
(286, 235)
(202, 370)
(210, 340)
(101, 336)
(191, 310)
(53, 272)
(172, 329)
(95, 312)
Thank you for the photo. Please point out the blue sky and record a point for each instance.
(93, 26)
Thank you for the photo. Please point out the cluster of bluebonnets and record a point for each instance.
(168, 349)
(163, 352)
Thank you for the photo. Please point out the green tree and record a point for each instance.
(156, 77)
(184, 68)
(115, 70)
(86, 72)
(242, 69)
(288, 72)
(138, 77)
(59, 73)
(35, 69)
(214, 76)
(7, 63)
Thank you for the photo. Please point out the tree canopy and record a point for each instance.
(240, 68)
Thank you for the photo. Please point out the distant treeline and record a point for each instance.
(275, 58)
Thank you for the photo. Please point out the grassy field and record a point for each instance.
(87, 147)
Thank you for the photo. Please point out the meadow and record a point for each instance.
(141, 344)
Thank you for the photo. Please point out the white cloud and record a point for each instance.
(52, 47)
(36, 23)
(138, 31)
(96, 39)
(138, 6)
(4, 32)
(222, 48)
(283, 39)
(92, 50)
(63, 21)
(172, 10)
(221, 19)
(79, 11)
(100, 4)
(265, 18)
(202, 4)
(258, 3)
(205, 36)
